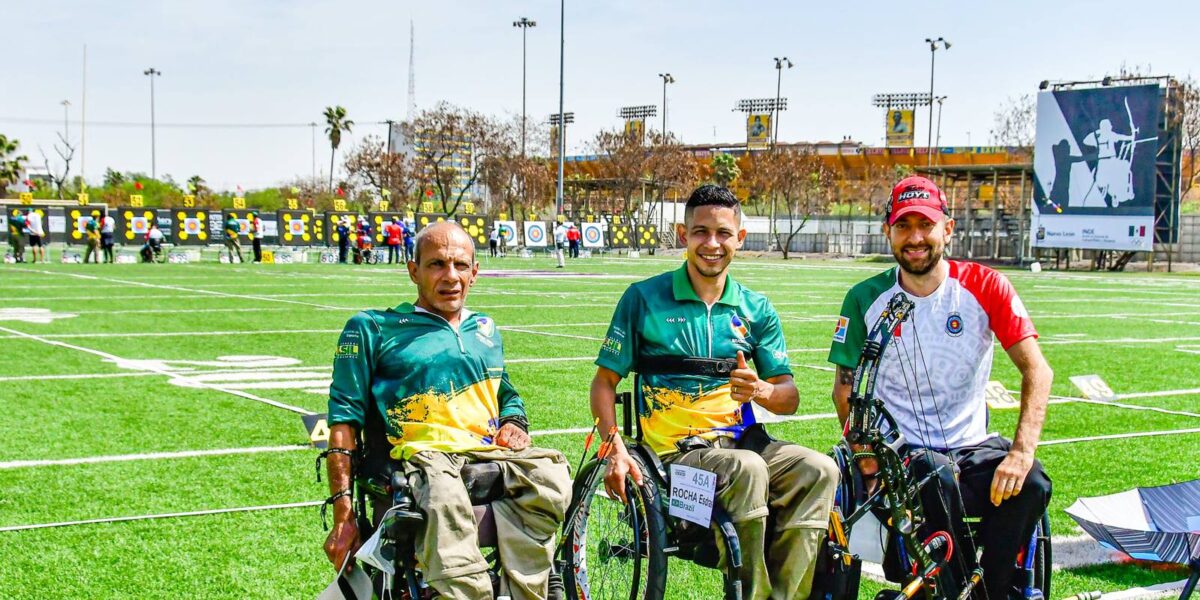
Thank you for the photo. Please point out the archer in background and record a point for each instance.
(932, 380)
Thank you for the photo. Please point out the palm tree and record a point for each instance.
(335, 118)
(10, 167)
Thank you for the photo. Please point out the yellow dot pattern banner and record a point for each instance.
(136, 222)
(189, 227)
(620, 235)
(79, 218)
(647, 236)
(378, 220)
(477, 227)
(331, 222)
(297, 228)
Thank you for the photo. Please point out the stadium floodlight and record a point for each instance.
(933, 47)
(760, 105)
(567, 118)
(901, 100)
(630, 113)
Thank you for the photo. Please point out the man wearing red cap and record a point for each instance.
(932, 380)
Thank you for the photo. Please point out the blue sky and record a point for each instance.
(250, 61)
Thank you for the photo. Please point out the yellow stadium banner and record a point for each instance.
(293, 204)
(189, 201)
(758, 131)
(339, 205)
(239, 202)
(82, 199)
(135, 200)
(426, 207)
(384, 206)
(469, 208)
(26, 197)
(635, 130)
(899, 125)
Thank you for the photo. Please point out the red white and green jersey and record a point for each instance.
(662, 316)
(932, 376)
(436, 387)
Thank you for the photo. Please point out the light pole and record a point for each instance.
(562, 139)
(933, 46)
(779, 64)
(524, 24)
(938, 140)
(152, 73)
(666, 77)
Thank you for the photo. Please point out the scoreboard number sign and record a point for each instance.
(318, 429)
(1093, 387)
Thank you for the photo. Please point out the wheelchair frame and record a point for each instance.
(659, 535)
(897, 496)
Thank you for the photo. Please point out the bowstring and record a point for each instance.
(962, 505)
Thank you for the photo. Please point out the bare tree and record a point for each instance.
(385, 173)
(449, 147)
(1190, 90)
(66, 153)
(668, 166)
(802, 186)
(622, 162)
(1014, 124)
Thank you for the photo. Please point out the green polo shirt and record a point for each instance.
(662, 316)
(439, 389)
(16, 225)
(232, 228)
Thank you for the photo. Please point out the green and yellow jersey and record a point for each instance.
(232, 228)
(436, 388)
(663, 317)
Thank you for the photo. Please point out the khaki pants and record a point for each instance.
(538, 490)
(232, 245)
(92, 252)
(795, 486)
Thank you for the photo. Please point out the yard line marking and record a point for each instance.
(1122, 340)
(552, 334)
(90, 460)
(177, 288)
(1183, 392)
(545, 360)
(73, 376)
(1165, 411)
(1120, 436)
(119, 360)
(576, 430)
(179, 333)
(195, 513)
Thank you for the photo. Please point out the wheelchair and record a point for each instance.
(617, 550)
(380, 485)
(1033, 563)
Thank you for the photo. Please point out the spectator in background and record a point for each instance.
(503, 240)
(16, 236)
(92, 231)
(560, 242)
(343, 238)
(108, 224)
(410, 233)
(494, 241)
(152, 249)
(394, 234)
(573, 240)
(37, 234)
(254, 230)
(232, 229)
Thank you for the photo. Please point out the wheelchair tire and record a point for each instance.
(603, 563)
(1042, 558)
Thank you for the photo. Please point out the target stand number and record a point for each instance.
(998, 396)
(318, 429)
(1093, 388)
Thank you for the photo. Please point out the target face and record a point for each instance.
(296, 227)
(591, 235)
(191, 226)
(139, 225)
(536, 234)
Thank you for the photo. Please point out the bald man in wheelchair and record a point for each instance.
(435, 372)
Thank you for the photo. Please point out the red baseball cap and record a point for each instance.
(916, 194)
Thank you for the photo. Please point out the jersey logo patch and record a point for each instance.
(738, 326)
(487, 327)
(954, 324)
(839, 332)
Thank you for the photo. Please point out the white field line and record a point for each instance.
(551, 334)
(1154, 320)
(1119, 436)
(88, 460)
(196, 373)
(73, 376)
(1183, 392)
(1165, 411)
(1128, 291)
(175, 288)
(1121, 340)
(518, 361)
(196, 513)
(61, 336)
(163, 372)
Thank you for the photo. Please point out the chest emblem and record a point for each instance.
(954, 324)
(839, 331)
(738, 326)
(487, 327)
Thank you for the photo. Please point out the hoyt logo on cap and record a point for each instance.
(919, 195)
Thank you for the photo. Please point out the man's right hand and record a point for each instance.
(342, 541)
(621, 465)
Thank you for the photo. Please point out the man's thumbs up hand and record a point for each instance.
(744, 382)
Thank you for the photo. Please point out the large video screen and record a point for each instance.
(1094, 168)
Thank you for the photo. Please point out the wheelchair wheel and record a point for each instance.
(615, 550)
(1042, 558)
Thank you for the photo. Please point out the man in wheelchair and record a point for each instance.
(152, 250)
(931, 379)
(688, 334)
(435, 372)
